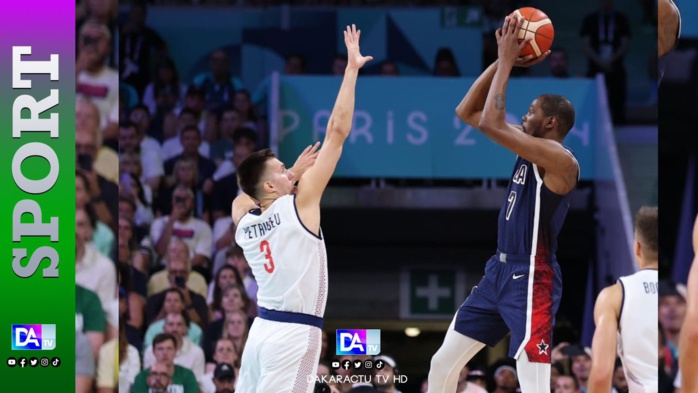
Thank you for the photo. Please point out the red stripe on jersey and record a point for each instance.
(539, 345)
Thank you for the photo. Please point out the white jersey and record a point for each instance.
(288, 261)
(638, 338)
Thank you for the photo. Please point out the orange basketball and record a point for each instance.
(538, 26)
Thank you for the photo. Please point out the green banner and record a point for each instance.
(37, 162)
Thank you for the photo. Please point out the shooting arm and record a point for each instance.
(603, 347)
(546, 153)
(470, 108)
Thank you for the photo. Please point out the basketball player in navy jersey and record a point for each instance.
(625, 321)
(688, 342)
(521, 289)
(669, 21)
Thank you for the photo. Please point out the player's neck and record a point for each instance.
(647, 264)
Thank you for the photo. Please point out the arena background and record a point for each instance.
(432, 217)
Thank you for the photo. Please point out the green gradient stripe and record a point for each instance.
(48, 28)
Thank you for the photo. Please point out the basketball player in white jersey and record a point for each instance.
(626, 318)
(688, 341)
(280, 235)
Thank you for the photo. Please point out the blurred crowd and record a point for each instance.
(164, 297)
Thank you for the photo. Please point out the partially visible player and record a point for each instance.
(279, 232)
(688, 341)
(522, 286)
(669, 21)
(626, 317)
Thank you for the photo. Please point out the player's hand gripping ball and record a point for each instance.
(537, 27)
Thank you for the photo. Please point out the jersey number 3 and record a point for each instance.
(264, 248)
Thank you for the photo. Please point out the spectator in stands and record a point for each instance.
(445, 63)
(224, 379)
(102, 12)
(96, 80)
(236, 328)
(140, 255)
(558, 62)
(505, 379)
(89, 318)
(248, 112)
(134, 283)
(226, 276)
(113, 377)
(223, 354)
(195, 233)
(165, 374)
(566, 384)
(218, 85)
(477, 378)
(234, 301)
(363, 383)
(295, 64)
(237, 259)
(174, 303)
(178, 273)
(190, 138)
(93, 270)
(581, 364)
(666, 382)
(556, 369)
(222, 150)
(385, 377)
(465, 385)
(131, 187)
(87, 120)
(620, 385)
(389, 68)
(84, 364)
(225, 189)
(138, 140)
(139, 44)
(672, 310)
(173, 144)
(102, 236)
(185, 174)
(606, 39)
(188, 354)
(163, 95)
(339, 64)
(103, 193)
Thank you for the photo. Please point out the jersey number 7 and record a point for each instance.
(264, 248)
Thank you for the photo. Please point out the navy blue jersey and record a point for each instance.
(532, 215)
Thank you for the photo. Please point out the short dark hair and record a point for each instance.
(162, 337)
(190, 128)
(126, 124)
(251, 170)
(560, 107)
(244, 133)
(647, 229)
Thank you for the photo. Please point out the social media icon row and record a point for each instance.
(357, 364)
(33, 362)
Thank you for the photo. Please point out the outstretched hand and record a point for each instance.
(508, 44)
(351, 39)
(305, 160)
(529, 60)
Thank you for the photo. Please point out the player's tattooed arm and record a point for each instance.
(499, 101)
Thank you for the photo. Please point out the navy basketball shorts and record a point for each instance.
(516, 294)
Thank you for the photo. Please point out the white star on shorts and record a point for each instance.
(542, 347)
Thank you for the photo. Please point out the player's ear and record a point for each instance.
(638, 248)
(551, 122)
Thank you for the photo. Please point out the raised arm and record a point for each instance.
(242, 204)
(603, 347)
(546, 153)
(688, 356)
(313, 183)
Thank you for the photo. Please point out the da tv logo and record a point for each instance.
(358, 342)
(33, 337)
